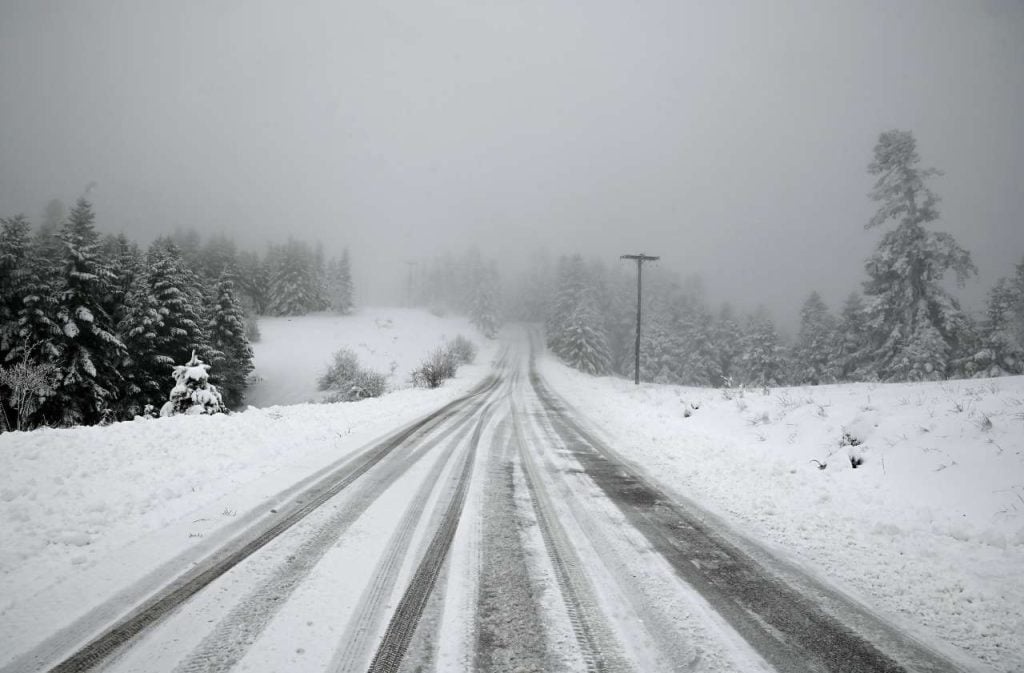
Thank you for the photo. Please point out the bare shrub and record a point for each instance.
(23, 386)
(462, 350)
(438, 366)
(347, 381)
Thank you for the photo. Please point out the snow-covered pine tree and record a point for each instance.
(179, 299)
(123, 258)
(915, 328)
(218, 255)
(320, 299)
(815, 345)
(659, 347)
(231, 356)
(146, 363)
(850, 348)
(89, 354)
(254, 282)
(193, 394)
(728, 344)
(580, 339)
(340, 284)
(695, 350)
(1003, 328)
(484, 309)
(583, 340)
(291, 280)
(762, 361)
(14, 249)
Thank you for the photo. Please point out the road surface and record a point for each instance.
(499, 533)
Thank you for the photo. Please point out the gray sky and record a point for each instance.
(732, 138)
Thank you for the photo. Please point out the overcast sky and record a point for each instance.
(731, 138)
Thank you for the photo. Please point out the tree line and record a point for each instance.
(903, 326)
(91, 326)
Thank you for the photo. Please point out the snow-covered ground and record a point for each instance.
(75, 502)
(392, 341)
(929, 530)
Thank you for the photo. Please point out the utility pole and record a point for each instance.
(640, 259)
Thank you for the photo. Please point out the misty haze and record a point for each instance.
(522, 336)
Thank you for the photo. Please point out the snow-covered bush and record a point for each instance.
(348, 381)
(193, 394)
(439, 365)
(462, 350)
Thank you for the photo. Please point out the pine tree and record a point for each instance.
(484, 309)
(124, 260)
(698, 365)
(254, 282)
(232, 354)
(1003, 328)
(180, 301)
(14, 249)
(815, 347)
(659, 347)
(146, 364)
(916, 329)
(291, 284)
(89, 354)
(577, 331)
(728, 341)
(193, 394)
(340, 284)
(850, 348)
(762, 362)
(583, 341)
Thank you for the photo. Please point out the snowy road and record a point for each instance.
(496, 534)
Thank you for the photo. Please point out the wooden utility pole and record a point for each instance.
(640, 259)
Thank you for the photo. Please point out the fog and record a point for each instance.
(731, 138)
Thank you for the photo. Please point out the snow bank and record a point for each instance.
(70, 499)
(928, 529)
(392, 341)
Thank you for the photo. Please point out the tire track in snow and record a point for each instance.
(403, 622)
(511, 635)
(789, 630)
(598, 646)
(177, 591)
(246, 621)
(369, 612)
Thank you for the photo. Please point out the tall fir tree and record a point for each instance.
(578, 337)
(814, 351)
(146, 363)
(1003, 327)
(254, 282)
(340, 284)
(728, 340)
(231, 354)
(916, 329)
(291, 281)
(89, 353)
(165, 324)
(850, 348)
(762, 362)
(698, 365)
(484, 309)
(14, 250)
